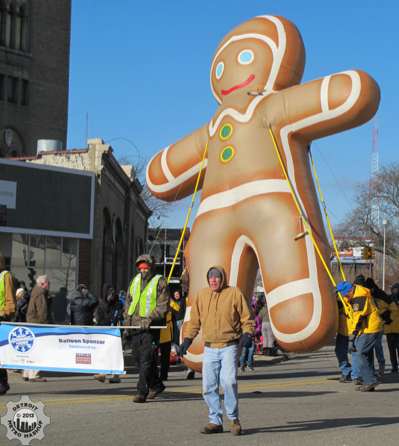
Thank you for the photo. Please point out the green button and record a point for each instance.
(227, 154)
(225, 132)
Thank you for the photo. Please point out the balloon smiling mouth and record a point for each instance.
(251, 77)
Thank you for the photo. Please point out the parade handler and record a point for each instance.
(7, 310)
(223, 314)
(366, 324)
(146, 305)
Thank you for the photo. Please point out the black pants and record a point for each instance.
(165, 358)
(144, 352)
(393, 345)
(3, 376)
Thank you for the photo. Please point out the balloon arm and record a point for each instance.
(172, 173)
(321, 114)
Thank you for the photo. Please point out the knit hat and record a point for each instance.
(214, 272)
(344, 287)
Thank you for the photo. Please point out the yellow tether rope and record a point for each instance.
(347, 307)
(188, 212)
(324, 205)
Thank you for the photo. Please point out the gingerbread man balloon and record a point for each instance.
(247, 216)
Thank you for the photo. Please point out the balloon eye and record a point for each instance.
(219, 70)
(245, 57)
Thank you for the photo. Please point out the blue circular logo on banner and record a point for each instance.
(21, 339)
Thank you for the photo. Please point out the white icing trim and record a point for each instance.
(164, 164)
(312, 265)
(236, 194)
(177, 181)
(288, 291)
(238, 249)
(324, 93)
(278, 54)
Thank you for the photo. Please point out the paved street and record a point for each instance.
(298, 402)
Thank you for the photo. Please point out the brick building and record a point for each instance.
(74, 231)
(34, 73)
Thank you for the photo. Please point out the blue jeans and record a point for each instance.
(379, 352)
(341, 352)
(219, 367)
(247, 356)
(364, 343)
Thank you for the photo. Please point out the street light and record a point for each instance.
(384, 223)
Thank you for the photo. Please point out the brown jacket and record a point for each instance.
(9, 308)
(38, 308)
(159, 311)
(223, 315)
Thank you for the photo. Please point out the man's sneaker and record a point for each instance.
(357, 382)
(251, 369)
(4, 388)
(190, 374)
(100, 377)
(394, 371)
(212, 428)
(154, 392)
(367, 387)
(139, 398)
(235, 427)
(345, 379)
(114, 380)
(243, 368)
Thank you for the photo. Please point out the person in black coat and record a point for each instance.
(80, 307)
(108, 312)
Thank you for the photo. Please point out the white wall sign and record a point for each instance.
(8, 193)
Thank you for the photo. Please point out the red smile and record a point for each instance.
(238, 86)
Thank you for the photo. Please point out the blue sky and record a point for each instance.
(140, 70)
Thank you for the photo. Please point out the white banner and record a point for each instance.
(61, 349)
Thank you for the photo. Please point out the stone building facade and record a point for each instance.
(120, 215)
(107, 254)
(34, 73)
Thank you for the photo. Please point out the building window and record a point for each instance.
(13, 26)
(7, 27)
(2, 22)
(2, 80)
(23, 30)
(12, 89)
(25, 92)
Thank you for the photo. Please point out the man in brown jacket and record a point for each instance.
(7, 310)
(227, 324)
(146, 305)
(38, 313)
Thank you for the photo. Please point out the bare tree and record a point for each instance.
(160, 209)
(382, 191)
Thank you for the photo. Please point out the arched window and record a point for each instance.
(118, 256)
(107, 251)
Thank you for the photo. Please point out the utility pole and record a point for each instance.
(164, 254)
(374, 202)
(384, 223)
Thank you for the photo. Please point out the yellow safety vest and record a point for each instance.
(3, 289)
(147, 298)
